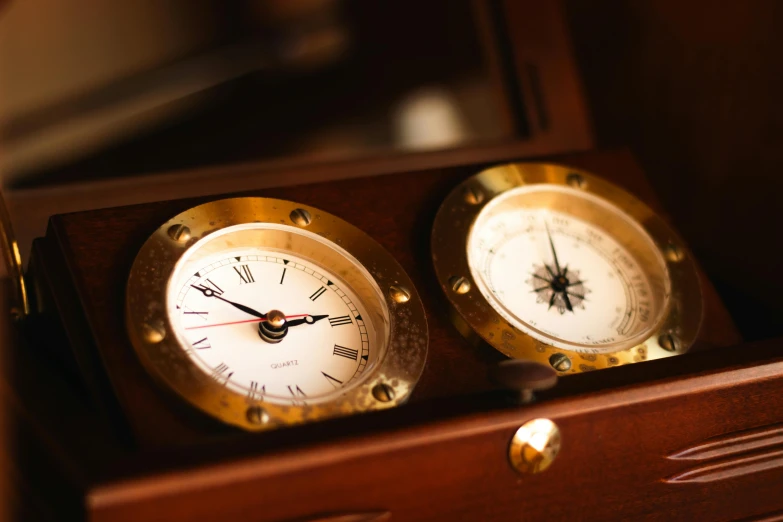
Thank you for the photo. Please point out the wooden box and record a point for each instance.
(690, 437)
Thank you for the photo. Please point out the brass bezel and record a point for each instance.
(477, 320)
(20, 304)
(155, 341)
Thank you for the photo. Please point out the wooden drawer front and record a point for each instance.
(704, 447)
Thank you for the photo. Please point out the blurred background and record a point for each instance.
(92, 91)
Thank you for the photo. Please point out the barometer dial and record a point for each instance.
(564, 280)
(562, 267)
(246, 310)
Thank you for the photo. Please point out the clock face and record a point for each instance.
(542, 257)
(273, 326)
(264, 313)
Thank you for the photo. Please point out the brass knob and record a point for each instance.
(523, 378)
(534, 446)
(275, 328)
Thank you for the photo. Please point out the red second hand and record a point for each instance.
(241, 322)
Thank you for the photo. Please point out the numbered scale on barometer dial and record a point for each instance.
(558, 266)
(263, 313)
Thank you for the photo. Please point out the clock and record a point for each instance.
(264, 313)
(559, 266)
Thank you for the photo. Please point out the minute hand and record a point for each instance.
(552, 245)
(211, 293)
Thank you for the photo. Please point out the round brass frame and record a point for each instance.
(477, 320)
(20, 307)
(155, 340)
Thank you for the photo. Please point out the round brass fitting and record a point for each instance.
(535, 446)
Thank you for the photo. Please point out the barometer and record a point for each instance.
(561, 267)
(263, 312)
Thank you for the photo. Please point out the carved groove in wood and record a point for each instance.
(732, 455)
(777, 516)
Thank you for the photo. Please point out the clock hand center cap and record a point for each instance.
(275, 319)
(559, 284)
(275, 328)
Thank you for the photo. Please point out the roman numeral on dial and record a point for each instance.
(209, 285)
(255, 390)
(203, 344)
(334, 382)
(296, 391)
(348, 353)
(318, 293)
(221, 372)
(338, 321)
(190, 311)
(245, 276)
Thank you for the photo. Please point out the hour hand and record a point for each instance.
(310, 319)
(208, 292)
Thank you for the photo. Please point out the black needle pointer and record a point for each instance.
(208, 292)
(554, 254)
(310, 319)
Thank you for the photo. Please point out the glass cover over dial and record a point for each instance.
(274, 324)
(264, 313)
(568, 268)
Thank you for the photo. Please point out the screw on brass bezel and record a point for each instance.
(156, 342)
(460, 284)
(450, 234)
(300, 217)
(179, 233)
(399, 294)
(383, 392)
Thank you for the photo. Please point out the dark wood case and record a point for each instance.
(690, 437)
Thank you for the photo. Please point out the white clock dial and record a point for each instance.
(264, 313)
(566, 281)
(273, 326)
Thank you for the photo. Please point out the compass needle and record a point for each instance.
(554, 253)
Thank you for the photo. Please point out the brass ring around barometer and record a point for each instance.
(672, 332)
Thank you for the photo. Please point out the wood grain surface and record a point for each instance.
(613, 464)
